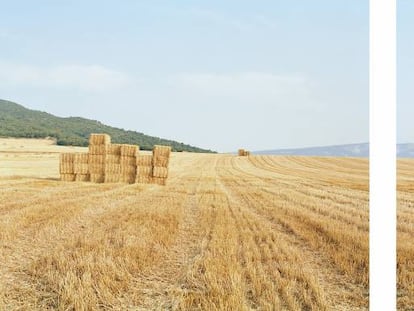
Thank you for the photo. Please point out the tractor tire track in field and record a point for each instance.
(330, 279)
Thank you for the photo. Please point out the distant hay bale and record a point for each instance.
(67, 177)
(129, 150)
(99, 139)
(97, 178)
(159, 181)
(82, 177)
(144, 160)
(160, 172)
(243, 153)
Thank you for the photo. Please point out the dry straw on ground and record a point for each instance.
(227, 233)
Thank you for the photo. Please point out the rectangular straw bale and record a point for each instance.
(97, 178)
(113, 158)
(127, 178)
(161, 172)
(97, 149)
(114, 149)
(66, 168)
(99, 139)
(67, 177)
(159, 181)
(129, 150)
(97, 168)
(143, 179)
(128, 160)
(112, 168)
(128, 169)
(81, 157)
(67, 157)
(144, 160)
(80, 168)
(82, 177)
(96, 159)
(144, 171)
(161, 161)
(112, 178)
(241, 152)
(161, 150)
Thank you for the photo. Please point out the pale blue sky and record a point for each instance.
(405, 71)
(215, 74)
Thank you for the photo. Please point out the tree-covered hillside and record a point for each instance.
(18, 121)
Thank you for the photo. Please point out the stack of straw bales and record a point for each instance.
(97, 153)
(243, 153)
(144, 169)
(161, 159)
(129, 155)
(113, 163)
(81, 166)
(66, 167)
(109, 163)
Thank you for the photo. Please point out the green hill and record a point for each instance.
(18, 121)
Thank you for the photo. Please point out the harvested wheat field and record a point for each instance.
(225, 233)
(405, 233)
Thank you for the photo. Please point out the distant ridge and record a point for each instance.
(18, 121)
(350, 150)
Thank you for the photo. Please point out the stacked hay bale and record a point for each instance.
(97, 152)
(109, 163)
(161, 159)
(113, 163)
(243, 153)
(81, 167)
(144, 169)
(128, 163)
(66, 167)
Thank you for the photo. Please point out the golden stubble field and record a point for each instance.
(226, 233)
